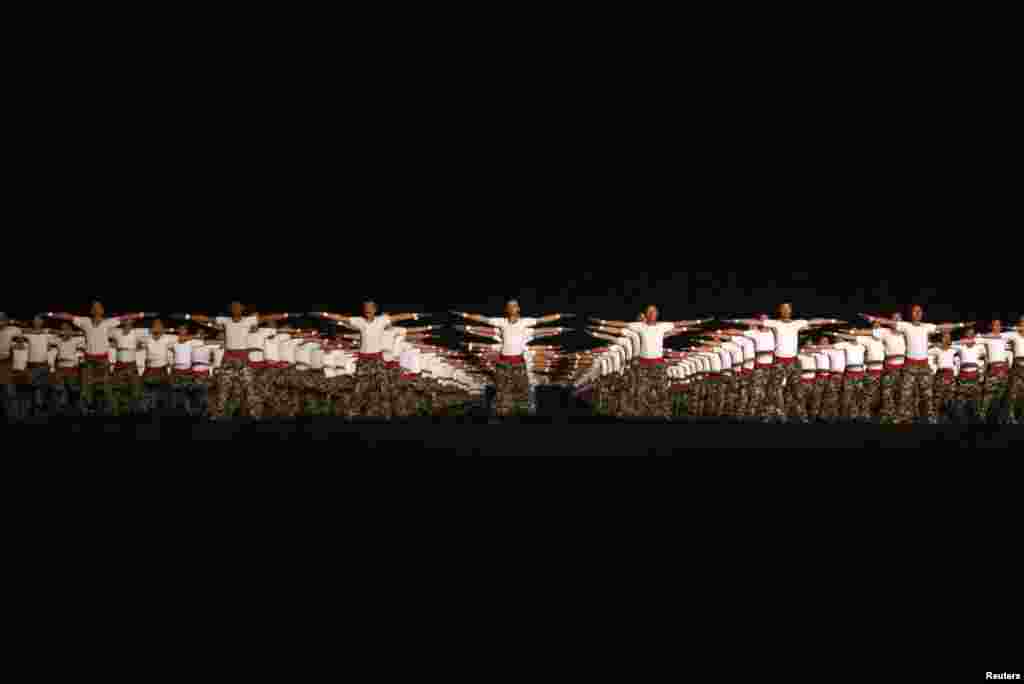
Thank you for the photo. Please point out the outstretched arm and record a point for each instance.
(950, 327)
(611, 324)
(554, 317)
(888, 322)
(825, 321)
(473, 317)
(680, 331)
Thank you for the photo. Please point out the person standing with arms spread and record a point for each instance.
(511, 380)
(235, 377)
(916, 384)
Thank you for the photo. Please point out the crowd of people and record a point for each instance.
(265, 365)
(786, 370)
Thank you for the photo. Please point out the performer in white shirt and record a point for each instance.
(235, 378)
(968, 380)
(373, 382)
(944, 386)
(1015, 394)
(511, 379)
(96, 366)
(997, 371)
(38, 341)
(916, 383)
(786, 371)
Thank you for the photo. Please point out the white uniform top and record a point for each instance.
(67, 352)
(786, 335)
(822, 361)
(634, 341)
(97, 336)
(127, 345)
(652, 338)
(258, 340)
(874, 348)
(409, 360)
(748, 347)
(945, 359)
(304, 355)
(764, 343)
(39, 346)
(714, 362)
(236, 334)
(202, 357)
(218, 356)
(389, 341)
(854, 353)
(1016, 342)
(183, 355)
(837, 359)
(370, 333)
(724, 358)
(808, 364)
(970, 354)
(6, 336)
(917, 338)
(287, 350)
(895, 344)
(514, 336)
(272, 347)
(159, 351)
(736, 351)
(995, 347)
(316, 357)
(19, 359)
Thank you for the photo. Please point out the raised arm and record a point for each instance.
(741, 321)
(690, 324)
(825, 321)
(680, 331)
(888, 322)
(950, 327)
(473, 317)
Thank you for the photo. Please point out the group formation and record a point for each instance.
(787, 370)
(266, 365)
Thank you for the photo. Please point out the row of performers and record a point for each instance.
(891, 372)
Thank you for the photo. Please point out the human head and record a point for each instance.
(37, 323)
(512, 310)
(97, 310)
(997, 327)
(236, 310)
(651, 313)
(65, 329)
(947, 338)
(158, 328)
(916, 313)
(369, 309)
(785, 311)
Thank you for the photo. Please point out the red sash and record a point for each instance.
(651, 362)
(370, 357)
(242, 356)
(391, 364)
(511, 360)
(917, 362)
(785, 360)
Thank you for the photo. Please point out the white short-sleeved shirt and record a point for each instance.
(764, 340)
(514, 336)
(837, 360)
(68, 350)
(822, 361)
(39, 346)
(945, 359)
(895, 344)
(808, 365)
(714, 362)
(272, 347)
(652, 338)
(391, 342)
(202, 357)
(854, 353)
(1016, 341)
(258, 340)
(19, 359)
(410, 360)
(917, 338)
(970, 354)
(371, 333)
(287, 350)
(236, 333)
(875, 350)
(748, 347)
(183, 355)
(159, 351)
(97, 335)
(127, 345)
(995, 347)
(786, 335)
(736, 351)
(7, 335)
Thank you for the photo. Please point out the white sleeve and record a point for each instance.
(530, 322)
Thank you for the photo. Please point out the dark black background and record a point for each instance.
(708, 181)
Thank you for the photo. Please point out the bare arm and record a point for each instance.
(473, 317)
(612, 324)
(888, 322)
(950, 327)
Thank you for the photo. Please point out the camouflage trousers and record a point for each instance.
(872, 395)
(994, 391)
(1015, 391)
(855, 398)
(968, 397)
(234, 381)
(652, 395)
(831, 398)
(512, 388)
(758, 392)
(680, 400)
(916, 394)
(784, 379)
(728, 404)
(713, 396)
(741, 385)
(943, 393)
(412, 397)
(816, 397)
(800, 397)
(890, 385)
(372, 394)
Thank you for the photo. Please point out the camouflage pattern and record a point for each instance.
(742, 389)
(855, 400)
(234, 382)
(831, 398)
(968, 395)
(816, 399)
(729, 394)
(890, 384)
(994, 390)
(872, 395)
(372, 395)
(513, 389)
(943, 393)
(799, 397)
(758, 392)
(916, 394)
(652, 393)
(1015, 391)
